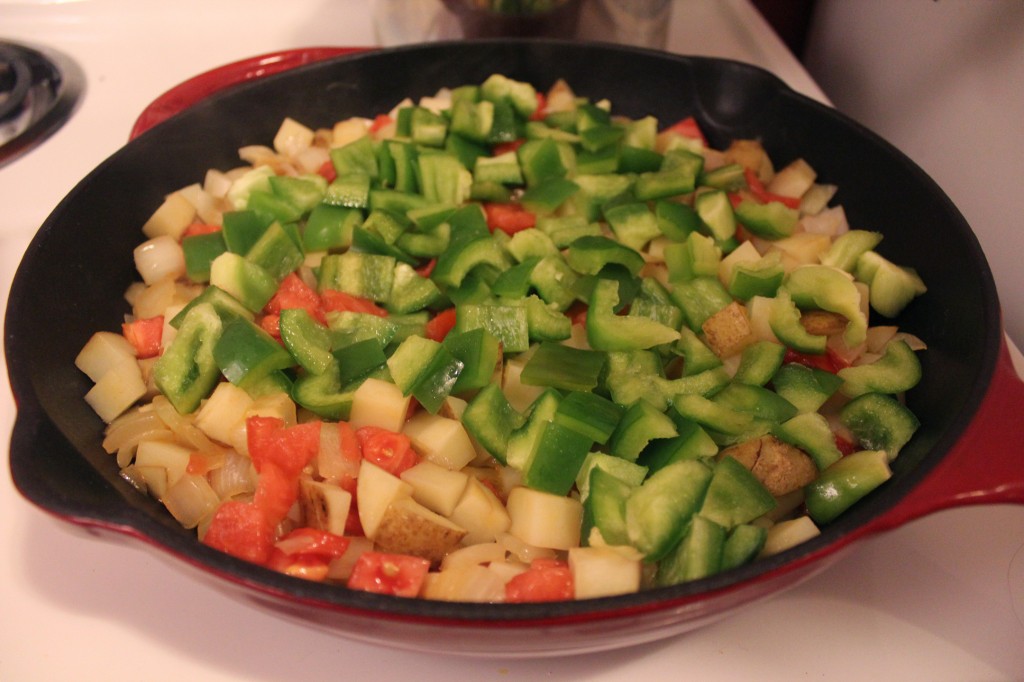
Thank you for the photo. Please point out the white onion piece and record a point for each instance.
(465, 584)
(190, 499)
(234, 478)
(341, 568)
(158, 258)
(522, 551)
(474, 555)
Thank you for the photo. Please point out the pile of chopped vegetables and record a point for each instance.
(502, 345)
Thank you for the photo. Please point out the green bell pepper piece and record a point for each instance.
(608, 331)
(187, 371)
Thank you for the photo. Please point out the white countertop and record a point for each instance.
(939, 599)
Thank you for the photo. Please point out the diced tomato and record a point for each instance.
(440, 324)
(509, 218)
(542, 106)
(545, 580)
(845, 446)
(276, 492)
(577, 313)
(145, 335)
(294, 293)
(380, 121)
(241, 530)
(290, 449)
(342, 302)
(427, 268)
(271, 324)
(313, 542)
(196, 229)
(757, 188)
(688, 127)
(503, 147)
(400, 575)
(327, 171)
(389, 450)
(823, 362)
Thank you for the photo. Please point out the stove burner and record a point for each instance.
(38, 93)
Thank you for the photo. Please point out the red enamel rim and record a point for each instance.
(197, 88)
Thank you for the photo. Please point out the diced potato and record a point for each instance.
(544, 519)
(802, 248)
(481, 513)
(781, 467)
(348, 131)
(816, 199)
(324, 505)
(830, 221)
(102, 352)
(560, 97)
(155, 299)
(376, 489)
(436, 487)
(440, 440)
(172, 457)
(603, 572)
(379, 403)
(117, 390)
(216, 183)
(758, 308)
(220, 415)
(823, 322)
(750, 154)
(171, 218)
(292, 137)
(519, 395)
(311, 159)
(154, 478)
(408, 527)
(728, 331)
(745, 253)
(794, 180)
(786, 534)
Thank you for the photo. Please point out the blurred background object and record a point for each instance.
(632, 22)
(944, 82)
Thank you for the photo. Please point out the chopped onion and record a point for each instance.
(158, 258)
(522, 551)
(465, 584)
(236, 476)
(341, 568)
(133, 427)
(190, 499)
(474, 555)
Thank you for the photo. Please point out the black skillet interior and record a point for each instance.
(74, 274)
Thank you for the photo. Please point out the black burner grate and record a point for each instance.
(38, 93)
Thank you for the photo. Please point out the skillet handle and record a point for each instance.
(197, 88)
(986, 465)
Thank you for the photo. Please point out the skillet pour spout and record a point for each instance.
(969, 449)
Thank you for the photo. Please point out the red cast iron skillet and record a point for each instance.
(969, 449)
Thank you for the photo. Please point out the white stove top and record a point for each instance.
(939, 599)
